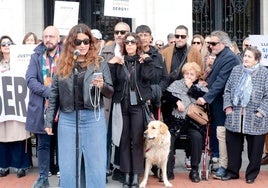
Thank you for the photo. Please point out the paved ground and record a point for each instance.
(181, 180)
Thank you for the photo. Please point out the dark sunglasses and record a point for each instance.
(247, 45)
(196, 43)
(213, 43)
(6, 44)
(122, 32)
(78, 42)
(180, 36)
(130, 42)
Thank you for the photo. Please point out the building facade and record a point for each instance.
(238, 18)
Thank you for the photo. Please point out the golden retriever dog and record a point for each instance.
(157, 144)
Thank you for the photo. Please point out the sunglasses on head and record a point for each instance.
(78, 42)
(213, 43)
(3, 44)
(180, 36)
(130, 42)
(122, 32)
(196, 43)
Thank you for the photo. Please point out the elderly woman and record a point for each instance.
(246, 108)
(182, 93)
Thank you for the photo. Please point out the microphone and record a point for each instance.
(76, 54)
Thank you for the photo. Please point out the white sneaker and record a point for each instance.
(49, 174)
(215, 159)
(58, 174)
(188, 163)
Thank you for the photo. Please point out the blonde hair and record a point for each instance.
(192, 66)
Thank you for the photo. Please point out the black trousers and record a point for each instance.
(196, 145)
(235, 143)
(131, 151)
(54, 154)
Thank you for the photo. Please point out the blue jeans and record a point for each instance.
(43, 154)
(92, 149)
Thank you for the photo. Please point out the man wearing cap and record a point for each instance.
(98, 36)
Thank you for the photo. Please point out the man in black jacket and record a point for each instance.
(159, 83)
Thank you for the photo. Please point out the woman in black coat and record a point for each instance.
(131, 81)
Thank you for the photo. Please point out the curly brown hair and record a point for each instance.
(66, 63)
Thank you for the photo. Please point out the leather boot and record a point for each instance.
(135, 181)
(126, 183)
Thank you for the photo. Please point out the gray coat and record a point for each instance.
(251, 124)
(180, 90)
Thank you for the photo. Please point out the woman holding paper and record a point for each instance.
(14, 139)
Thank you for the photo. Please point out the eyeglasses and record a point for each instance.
(213, 43)
(180, 36)
(196, 43)
(78, 42)
(122, 32)
(3, 44)
(130, 42)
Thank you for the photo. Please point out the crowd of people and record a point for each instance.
(86, 104)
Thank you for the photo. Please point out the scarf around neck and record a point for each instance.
(244, 89)
(49, 66)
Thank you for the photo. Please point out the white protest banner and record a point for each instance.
(120, 8)
(261, 42)
(14, 92)
(65, 16)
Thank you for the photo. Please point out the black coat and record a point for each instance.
(144, 76)
(221, 70)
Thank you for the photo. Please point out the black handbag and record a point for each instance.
(147, 114)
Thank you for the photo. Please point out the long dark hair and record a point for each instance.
(138, 43)
(1, 39)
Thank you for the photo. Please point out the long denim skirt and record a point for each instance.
(91, 148)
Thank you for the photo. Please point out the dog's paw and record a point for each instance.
(167, 184)
(142, 184)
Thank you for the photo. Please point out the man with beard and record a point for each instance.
(38, 78)
(175, 57)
